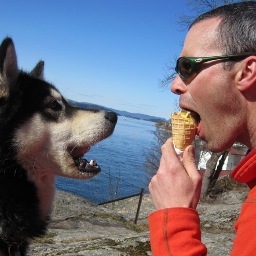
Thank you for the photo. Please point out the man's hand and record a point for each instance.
(176, 184)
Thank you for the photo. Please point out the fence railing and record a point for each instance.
(130, 196)
(103, 190)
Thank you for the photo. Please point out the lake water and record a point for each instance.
(121, 158)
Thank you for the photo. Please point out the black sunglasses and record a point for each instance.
(188, 67)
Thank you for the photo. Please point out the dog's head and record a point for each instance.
(40, 128)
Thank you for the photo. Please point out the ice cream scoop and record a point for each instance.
(183, 129)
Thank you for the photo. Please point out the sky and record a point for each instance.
(108, 52)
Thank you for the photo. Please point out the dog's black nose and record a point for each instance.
(111, 116)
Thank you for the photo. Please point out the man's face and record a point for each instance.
(212, 93)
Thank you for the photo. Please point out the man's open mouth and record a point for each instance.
(195, 115)
(85, 167)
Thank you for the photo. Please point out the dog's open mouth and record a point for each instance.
(85, 167)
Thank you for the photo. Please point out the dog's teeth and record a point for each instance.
(86, 174)
(93, 163)
(87, 168)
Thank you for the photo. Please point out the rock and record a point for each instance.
(80, 228)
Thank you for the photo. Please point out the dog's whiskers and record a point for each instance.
(71, 151)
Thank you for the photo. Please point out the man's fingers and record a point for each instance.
(169, 157)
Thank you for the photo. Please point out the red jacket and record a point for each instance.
(176, 231)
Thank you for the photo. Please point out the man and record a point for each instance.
(221, 91)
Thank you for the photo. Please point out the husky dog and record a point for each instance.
(41, 136)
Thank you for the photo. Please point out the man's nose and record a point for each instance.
(178, 86)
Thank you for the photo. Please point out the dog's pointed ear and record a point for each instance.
(8, 67)
(38, 70)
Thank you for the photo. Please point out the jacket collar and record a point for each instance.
(245, 171)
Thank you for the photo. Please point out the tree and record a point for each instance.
(213, 169)
(162, 133)
(200, 6)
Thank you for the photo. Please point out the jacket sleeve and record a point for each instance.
(245, 226)
(176, 232)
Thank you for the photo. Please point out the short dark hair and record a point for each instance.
(237, 29)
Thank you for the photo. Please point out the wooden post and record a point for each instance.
(139, 205)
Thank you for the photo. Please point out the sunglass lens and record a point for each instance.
(184, 67)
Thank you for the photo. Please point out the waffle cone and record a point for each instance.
(183, 129)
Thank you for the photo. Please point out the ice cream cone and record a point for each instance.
(183, 129)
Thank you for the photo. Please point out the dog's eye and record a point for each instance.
(54, 105)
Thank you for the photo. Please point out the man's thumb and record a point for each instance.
(189, 161)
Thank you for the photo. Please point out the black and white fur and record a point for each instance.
(41, 136)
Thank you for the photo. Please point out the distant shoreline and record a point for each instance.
(119, 112)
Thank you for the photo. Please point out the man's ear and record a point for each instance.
(246, 76)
